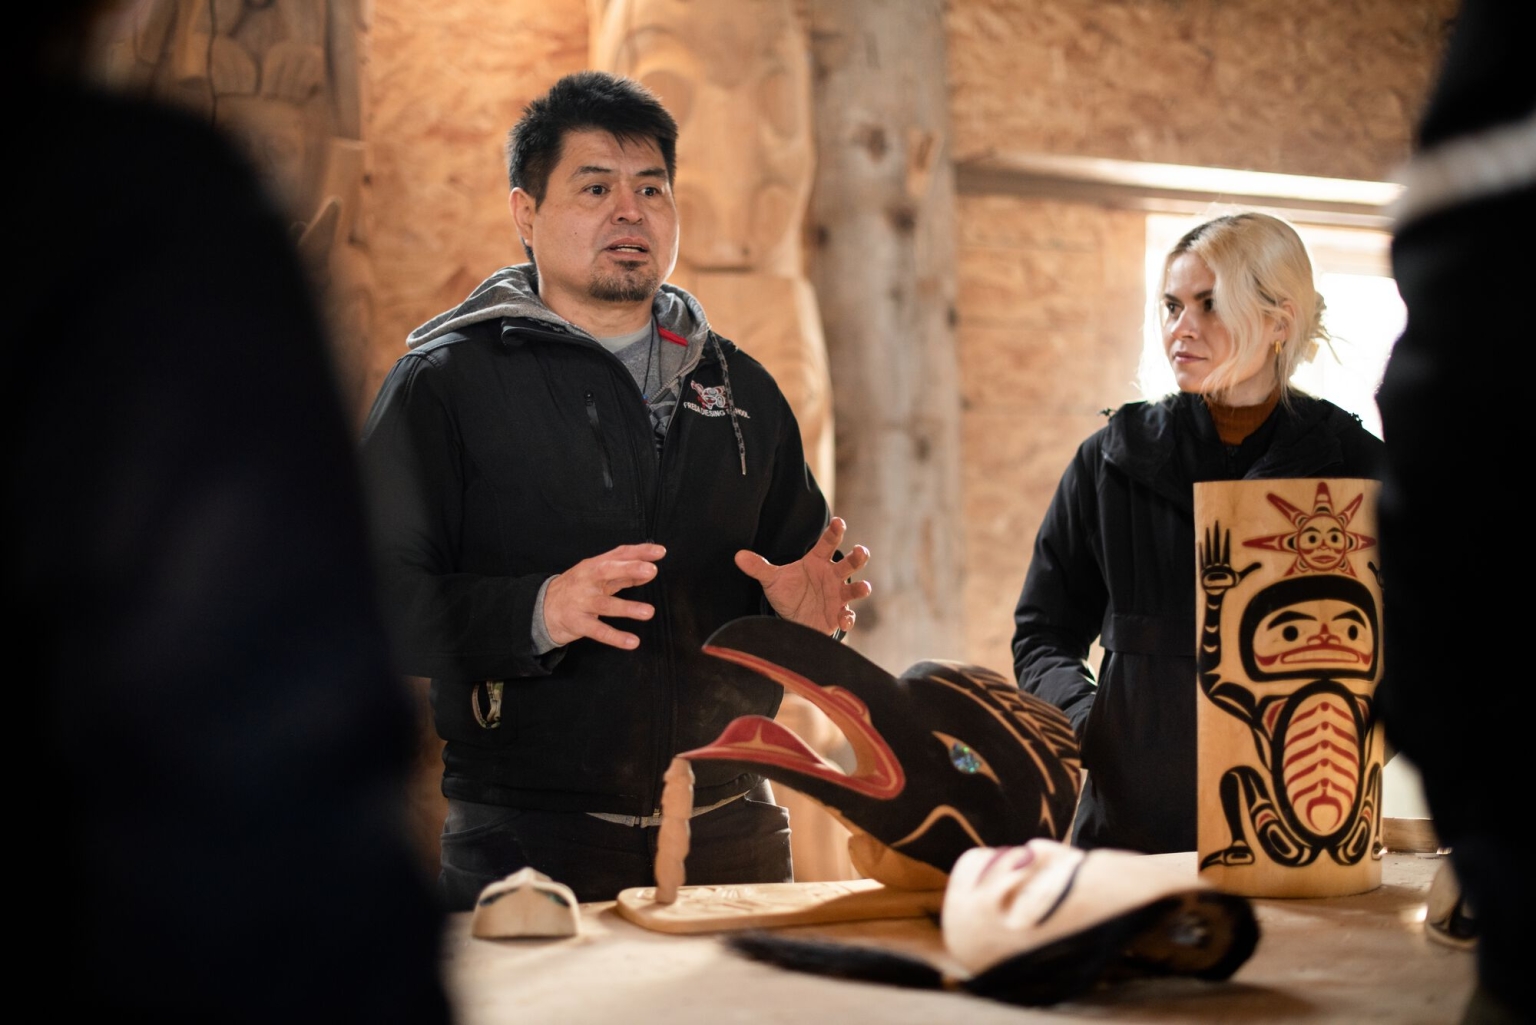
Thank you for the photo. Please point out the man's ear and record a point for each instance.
(523, 207)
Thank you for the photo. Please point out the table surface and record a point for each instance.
(1362, 958)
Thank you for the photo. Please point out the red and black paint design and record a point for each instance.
(1309, 646)
(1321, 539)
(949, 756)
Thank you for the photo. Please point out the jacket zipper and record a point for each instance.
(659, 760)
(597, 434)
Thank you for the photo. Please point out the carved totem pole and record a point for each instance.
(737, 79)
(284, 79)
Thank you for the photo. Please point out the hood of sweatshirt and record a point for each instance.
(514, 292)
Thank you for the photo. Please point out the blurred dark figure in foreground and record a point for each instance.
(218, 748)
(1451, 535)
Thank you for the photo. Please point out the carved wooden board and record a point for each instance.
(1289, 634)
(765, 905)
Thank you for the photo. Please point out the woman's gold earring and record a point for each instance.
(1278, 346)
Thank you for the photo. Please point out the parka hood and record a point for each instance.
(513, 292)
(1140, 439)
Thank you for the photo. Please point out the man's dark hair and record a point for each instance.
(578, 102)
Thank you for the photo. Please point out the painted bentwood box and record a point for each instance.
(1289, 628)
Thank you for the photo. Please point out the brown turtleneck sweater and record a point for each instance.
(1234, 423)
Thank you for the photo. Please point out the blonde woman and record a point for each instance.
(1240, 312)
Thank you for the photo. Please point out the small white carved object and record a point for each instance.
(526, 903)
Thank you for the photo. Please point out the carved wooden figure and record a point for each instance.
(949, 756)
(736, 77)
(674, 833)
(284, 78)
(1289, 656)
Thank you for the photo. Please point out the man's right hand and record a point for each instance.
(575, 599)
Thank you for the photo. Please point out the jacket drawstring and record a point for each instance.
(730, 403)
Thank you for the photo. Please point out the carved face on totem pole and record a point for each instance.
(738, 83)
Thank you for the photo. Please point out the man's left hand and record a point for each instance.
(815, 591)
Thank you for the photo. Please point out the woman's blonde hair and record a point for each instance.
(1262, 272)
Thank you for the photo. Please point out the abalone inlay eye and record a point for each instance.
(963, 758)
(1188, 929)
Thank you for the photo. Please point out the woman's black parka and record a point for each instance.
(1114, 562)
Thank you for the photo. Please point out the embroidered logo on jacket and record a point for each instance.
(711, 401)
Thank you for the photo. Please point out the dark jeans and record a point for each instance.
(746, 841)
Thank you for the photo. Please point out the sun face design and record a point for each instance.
(1321, 539)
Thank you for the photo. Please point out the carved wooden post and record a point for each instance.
(737, 78)
(284, 78)
(1289, 627)
(883, 222)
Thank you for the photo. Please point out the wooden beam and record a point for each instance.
(1177, 188)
